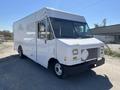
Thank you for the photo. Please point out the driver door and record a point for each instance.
(45, 43)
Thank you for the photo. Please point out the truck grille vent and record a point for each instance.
(93, 53)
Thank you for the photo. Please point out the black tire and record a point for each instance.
(20, 52)
(59, 70)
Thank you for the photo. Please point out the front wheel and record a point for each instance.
(59, 70)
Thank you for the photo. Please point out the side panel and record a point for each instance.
(45, 51)
(25, 35)
(62, 52)
(30, 41)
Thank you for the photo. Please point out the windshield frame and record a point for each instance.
(86, 35)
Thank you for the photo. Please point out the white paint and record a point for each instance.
(30, 33)
(25, 34)
(81, 42)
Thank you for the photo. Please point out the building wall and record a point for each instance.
(105, 38)
(2, 38)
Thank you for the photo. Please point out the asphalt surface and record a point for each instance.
(24, 74)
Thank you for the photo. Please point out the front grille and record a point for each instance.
(93, 53)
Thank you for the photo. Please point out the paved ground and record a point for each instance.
(24, 74)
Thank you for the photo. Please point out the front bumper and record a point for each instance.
(84, 66)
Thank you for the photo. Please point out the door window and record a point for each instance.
(42, 30)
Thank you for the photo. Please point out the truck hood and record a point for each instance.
(83, 42)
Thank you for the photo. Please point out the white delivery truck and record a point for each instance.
(58, 40)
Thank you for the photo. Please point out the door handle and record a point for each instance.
(45, 41)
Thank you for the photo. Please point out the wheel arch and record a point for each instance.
(19, 47)
(51, 61)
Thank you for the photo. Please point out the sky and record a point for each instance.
(93, 10)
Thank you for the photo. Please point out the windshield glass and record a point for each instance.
(69, 29)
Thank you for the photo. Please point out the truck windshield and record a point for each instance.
(69, 29)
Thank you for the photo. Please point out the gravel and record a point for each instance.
(24, 74)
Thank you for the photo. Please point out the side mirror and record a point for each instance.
(42, 28)
(49, 36)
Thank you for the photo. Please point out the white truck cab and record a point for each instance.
(58, 40)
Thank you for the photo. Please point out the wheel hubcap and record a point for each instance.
(58, 69)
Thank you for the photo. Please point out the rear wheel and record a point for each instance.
(59, 70)
(20, 51)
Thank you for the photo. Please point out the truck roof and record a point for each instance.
(64, 15)
(51, 12)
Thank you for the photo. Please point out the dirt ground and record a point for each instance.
(105, 77)
(7, 49)
(114, 47)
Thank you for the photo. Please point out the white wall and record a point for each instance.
(105, 38)
(2, 38)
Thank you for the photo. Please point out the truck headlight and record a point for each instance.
(75, 51)
(84, 54)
